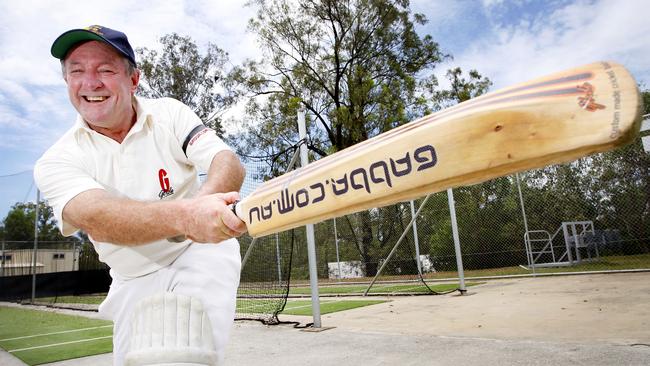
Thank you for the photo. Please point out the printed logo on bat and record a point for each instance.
(362, 178)
(587, 102)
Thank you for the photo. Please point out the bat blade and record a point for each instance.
(549, 120)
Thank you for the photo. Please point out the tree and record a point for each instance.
(356, 66)
(461, 89)
(180, 71)
(19, 223)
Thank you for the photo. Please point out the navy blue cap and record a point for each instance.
(117, 39)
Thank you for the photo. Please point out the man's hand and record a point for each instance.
(210, 220)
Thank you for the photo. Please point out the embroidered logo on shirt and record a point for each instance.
(166, 188)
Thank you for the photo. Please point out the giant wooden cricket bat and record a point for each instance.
(549, 120)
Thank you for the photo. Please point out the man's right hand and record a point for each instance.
(208, 219)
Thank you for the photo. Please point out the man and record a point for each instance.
(126, 174)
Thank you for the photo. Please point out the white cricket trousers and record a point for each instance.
(209, 272)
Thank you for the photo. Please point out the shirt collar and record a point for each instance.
(143, 119)
(144, 116)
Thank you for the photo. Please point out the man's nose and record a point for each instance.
(92, 81)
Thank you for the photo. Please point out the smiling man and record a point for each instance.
(126, 174)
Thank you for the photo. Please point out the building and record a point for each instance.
(16, 262)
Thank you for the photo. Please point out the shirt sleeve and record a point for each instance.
(60, 176)
(199, 142)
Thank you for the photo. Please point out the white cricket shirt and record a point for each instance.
(149, 165)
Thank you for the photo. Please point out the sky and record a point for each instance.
(507, 41)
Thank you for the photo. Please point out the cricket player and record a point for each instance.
(126, 173)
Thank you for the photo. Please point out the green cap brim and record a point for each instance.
(62, 45)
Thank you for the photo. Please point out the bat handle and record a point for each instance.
(233, 208)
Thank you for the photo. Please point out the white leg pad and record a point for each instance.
(169, 329)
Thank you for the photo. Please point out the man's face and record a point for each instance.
(99, 85)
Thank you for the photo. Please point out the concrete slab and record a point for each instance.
(7, 359)
(608, 308)
(253, 344)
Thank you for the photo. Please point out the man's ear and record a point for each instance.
(64, 73)
(135, 80)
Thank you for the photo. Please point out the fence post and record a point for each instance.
(38, 198)
(278, 258)
(454, 230)
(336, 243)
(2, 265)
(415, 238)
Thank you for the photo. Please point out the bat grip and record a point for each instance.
(233, 208)
(182, 238)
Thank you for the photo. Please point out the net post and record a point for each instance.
(454, 230)
(523, 214)
(415, 238)
(336, 244)
(2, 258)
(311, 242)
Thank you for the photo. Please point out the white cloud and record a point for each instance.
(575, 34)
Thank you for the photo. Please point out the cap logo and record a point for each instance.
(95, 29)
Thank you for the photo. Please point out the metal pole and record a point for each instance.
(75, 263)
(415, 238)
(521, 202)
(38, 198)
(2, 265)
(277, 257)
(311, 242)
(336, 243)
(526, 237)
(567, 243)
(454, 230)
(248, 253)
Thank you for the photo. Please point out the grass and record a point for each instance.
(303, 307)
(604, 263)
(49, 337)
(85, 299)
(391, 289)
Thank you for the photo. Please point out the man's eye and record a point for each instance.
(75, 71)
(106, 71)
